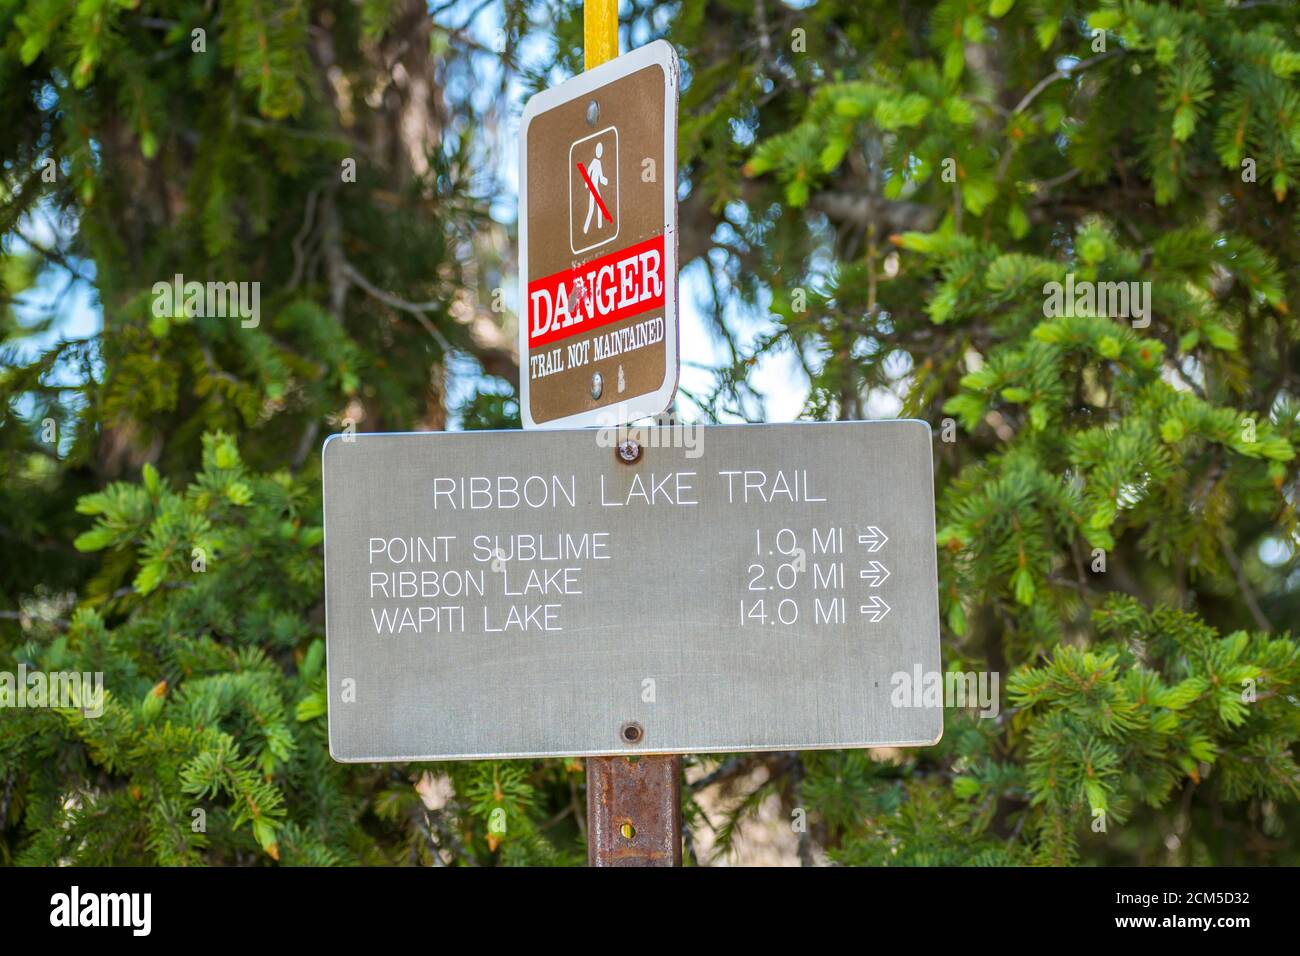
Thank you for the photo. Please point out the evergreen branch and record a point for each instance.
(1061, 74)
(308, 219)
(416, 309)
(1247, 592)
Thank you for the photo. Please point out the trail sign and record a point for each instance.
(598, 244)
(509, 594)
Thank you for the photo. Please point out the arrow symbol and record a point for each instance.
(874, 575)
(874, 539)
(876, 608)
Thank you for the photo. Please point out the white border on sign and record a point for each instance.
(659, 53)
(617, 187)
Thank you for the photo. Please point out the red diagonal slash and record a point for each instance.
(599, 202)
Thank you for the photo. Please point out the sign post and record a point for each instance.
(634, 810)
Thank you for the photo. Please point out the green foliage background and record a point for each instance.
(892, 183)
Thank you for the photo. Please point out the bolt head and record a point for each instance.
(629, 450)
(597, 385)
(593, 113)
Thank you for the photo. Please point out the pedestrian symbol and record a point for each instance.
(593, 190)
(594, 177)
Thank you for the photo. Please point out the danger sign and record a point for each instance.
(604, 291)
(598, 244)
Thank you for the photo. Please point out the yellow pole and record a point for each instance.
(599, 31)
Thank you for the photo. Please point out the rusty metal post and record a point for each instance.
(634, 811)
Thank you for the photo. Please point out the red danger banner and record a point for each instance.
(600, 292)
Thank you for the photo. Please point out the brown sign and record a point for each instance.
(598, 339)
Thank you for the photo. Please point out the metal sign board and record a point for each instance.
(598, 339)
(740, 587)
